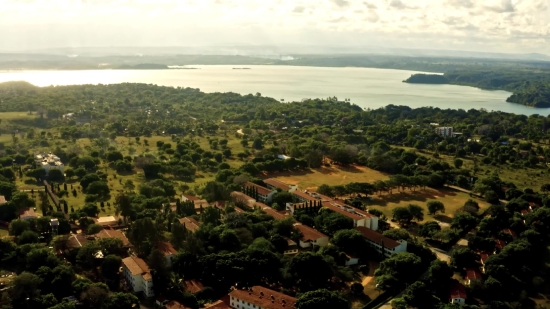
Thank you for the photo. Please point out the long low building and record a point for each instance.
(258, 297)
(382, 243)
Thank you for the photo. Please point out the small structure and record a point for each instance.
(167, 250)
(48, 162)
(351, 259)
(138, 275)
(190, 224)
(457, 294)
(108, 233)
(381, 243)
(260, 297)
(444, 131)
(3, 200)
(199, 203)
(311, 237)
(472, 274)
(27, 213)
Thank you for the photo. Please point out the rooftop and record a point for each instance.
(243, 198)
(457, 291)
(264, 298)
(346, 210)
(308, 233)
(137, 266)
(261, 190)
(76, 241)
(190, 197)
(166, 248)
(27, 212)
(3, 200)
(190, 223)
(277, 184)
(472, 273)
(192, 286)
(306, 196)
(377, 237)
(272, 212)
(107, 233)
(175, 305)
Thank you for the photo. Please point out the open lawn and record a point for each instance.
(452, 200)
(522, 177)
(334, 175)
(3, 233)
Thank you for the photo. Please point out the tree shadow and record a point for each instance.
(348, 168)
(443, 218)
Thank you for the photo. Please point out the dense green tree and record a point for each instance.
(321, 298)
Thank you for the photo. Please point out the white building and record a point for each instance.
(258, 297)
(167, 250)
(380, 242)
(457, 294)
(264, 194)
(48, 162)
(311, 237)
(138, 275)
(444, 131)
(275, 184)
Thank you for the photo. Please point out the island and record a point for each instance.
(144, 66)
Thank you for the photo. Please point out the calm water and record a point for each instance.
(368, 88)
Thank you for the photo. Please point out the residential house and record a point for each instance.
(27, 213)
(444, 131)
(190, 224)
(167, 250)
(138, 275)
(275, 184)
(382, 243)
(292, 248)
(457, 294)
(263, 194)
(109, 233)
(258, 297)
(75, 241)
(472, 274)
(311, 237)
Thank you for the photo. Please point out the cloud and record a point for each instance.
(398, 4)
(369, 5)
(299, 9)
(462, 3)
(503, 6)
(340, 3)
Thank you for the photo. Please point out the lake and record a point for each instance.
(368, 88)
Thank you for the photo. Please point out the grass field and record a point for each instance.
(334, 175)
(452, 200)
(522, 177)
(3, 233)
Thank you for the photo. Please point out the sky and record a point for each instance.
(507, 26)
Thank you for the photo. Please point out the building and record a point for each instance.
(381, 243)
(483, 258)
(275, 184)
(272, 212)
(457, 294)
(192, 286)
(241, 198)
(3, 200)
(311, 237)
(472, 274)
(27, 213)
(190, 224)
(444, 131)
(199, 203)
(167, 250)
(138, 275)
(48, 162)
(263, 194)
(359, 217)
(108, 233)
(351, 259)
(258, 297)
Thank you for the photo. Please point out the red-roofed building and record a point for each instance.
(263, 194)
(175, 305)
(27, 213)
(258, 297)
(457, 294)
(272, 212)
(190, 224)
(499, 243)
(241, 198)
(472, 274)
(378, 241)
(168, 250)
(311, 237)
(512, 233)
(192, 286)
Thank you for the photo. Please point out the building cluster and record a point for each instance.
(48, 161)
